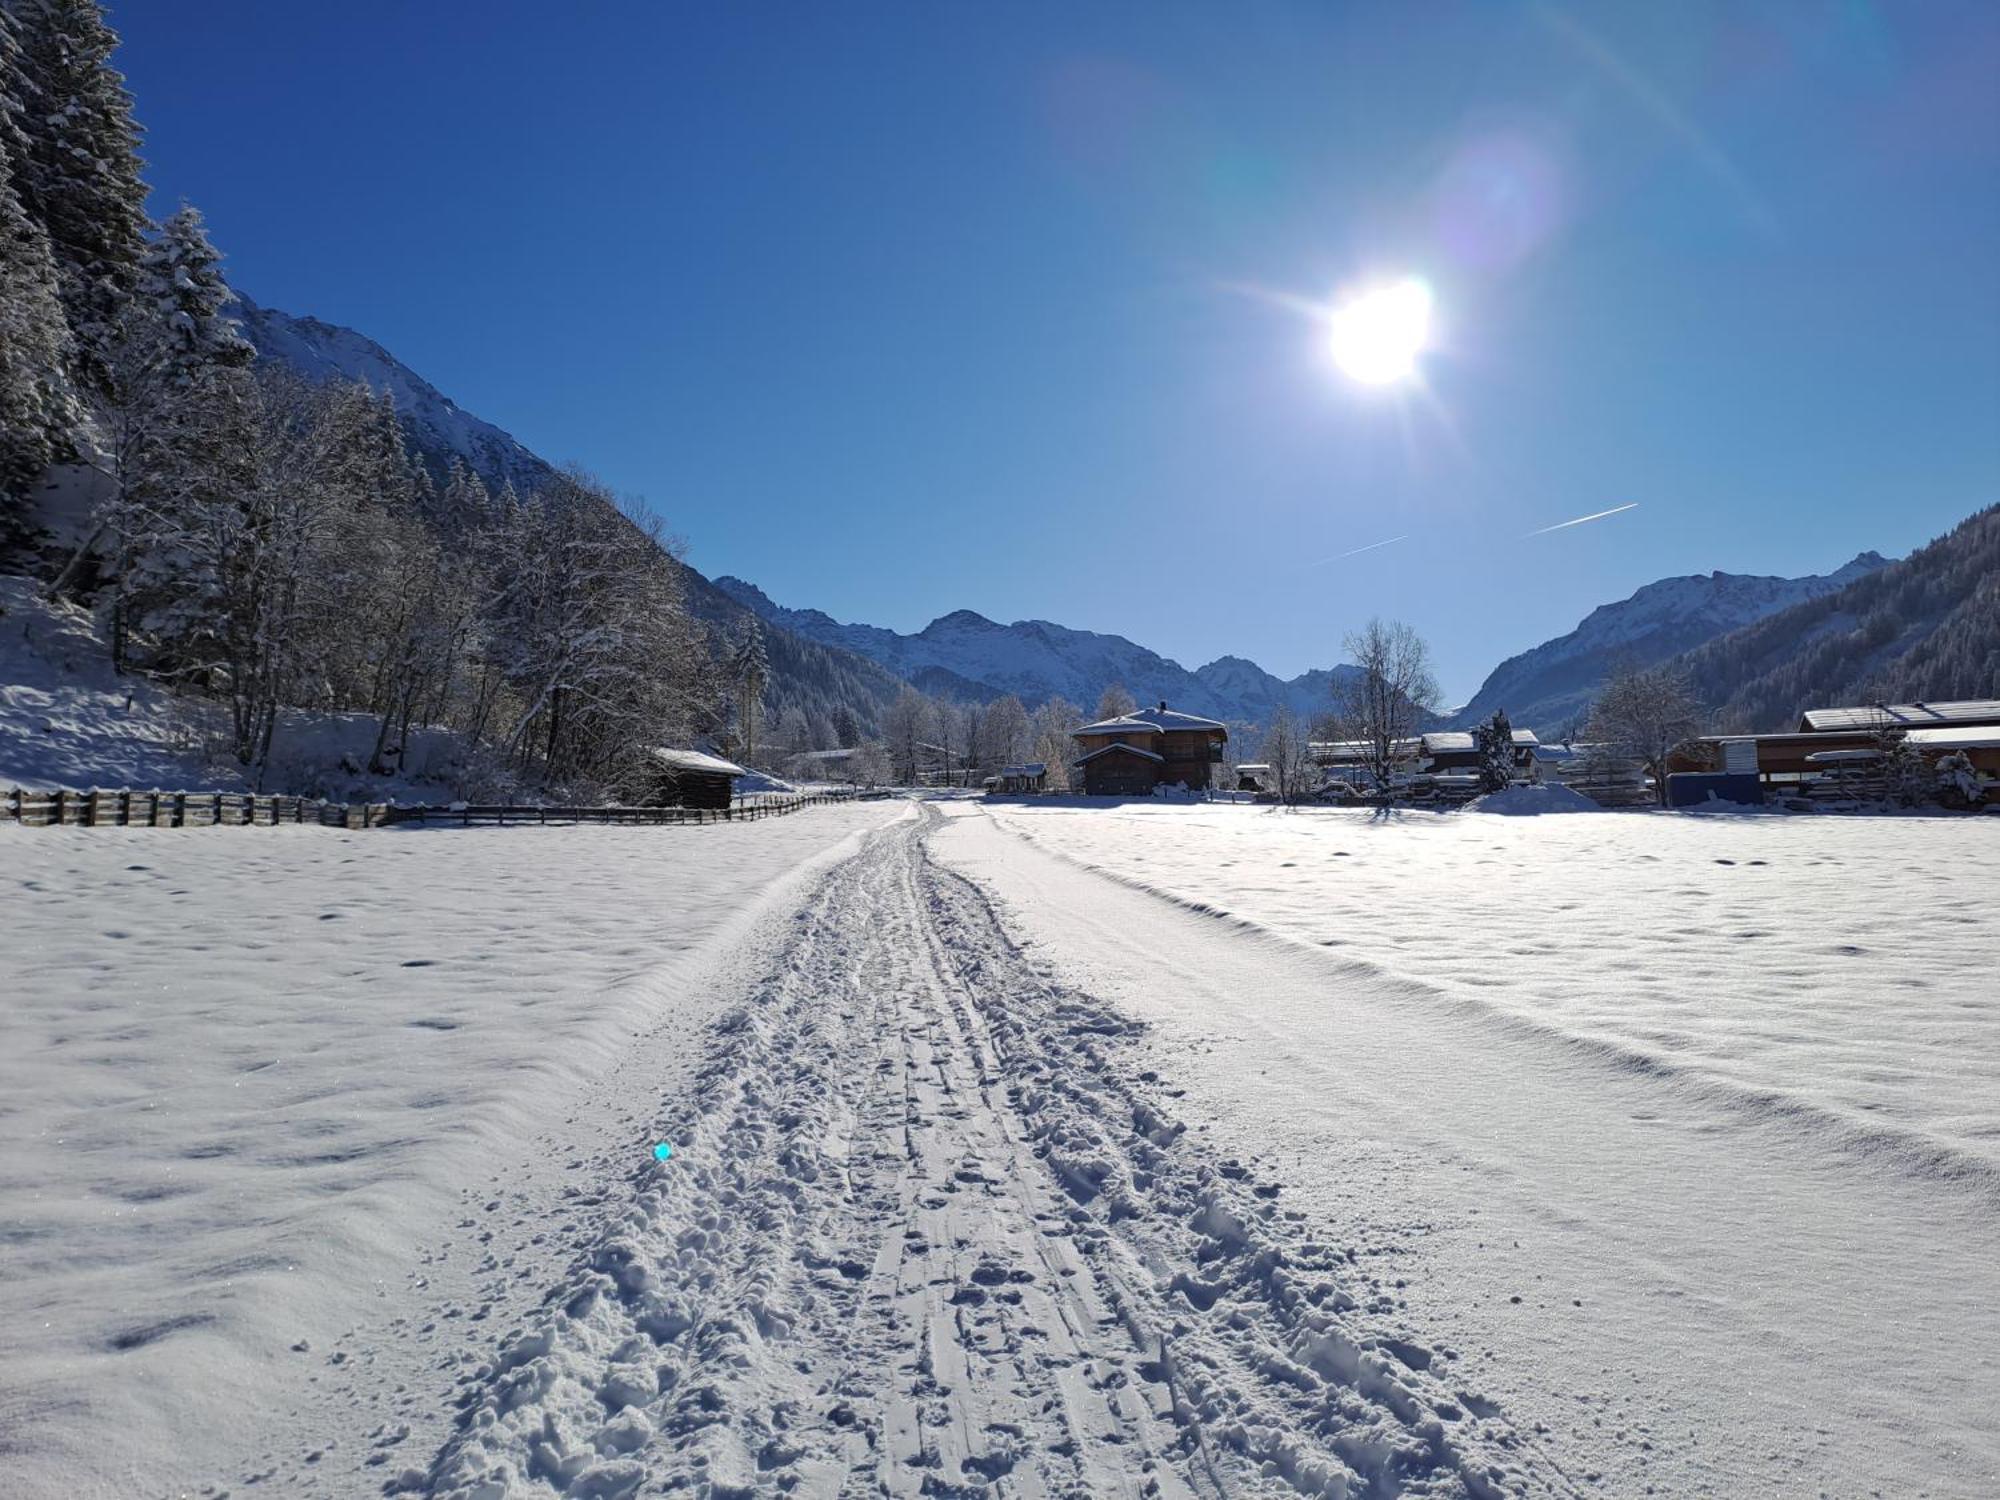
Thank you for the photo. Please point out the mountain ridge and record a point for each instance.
(1548, 687)
(967, 655)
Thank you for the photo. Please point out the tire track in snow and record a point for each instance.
(921, 1236)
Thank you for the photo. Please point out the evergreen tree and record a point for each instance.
(38, 411)
(1495, 739)
(80, 177)
(749, 669)
(180, 284)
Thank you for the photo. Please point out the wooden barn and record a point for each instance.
(1130, 755)
(688, 778)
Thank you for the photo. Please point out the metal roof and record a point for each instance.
(1958, 736)
(1905, 715)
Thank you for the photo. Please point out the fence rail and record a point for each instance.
(155, 809)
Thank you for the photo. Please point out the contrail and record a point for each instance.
(1359, 550)
(1579, 520)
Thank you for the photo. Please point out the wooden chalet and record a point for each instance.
(688, 778)
(1150, 747)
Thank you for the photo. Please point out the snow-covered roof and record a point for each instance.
(1173, 718)
(825, 755)
(1253, 765)
(1958, 737)
(1123, 724)
(694, 760)
(1030, 768)
(1460, 741)
(1835, 757)
(1339, 750)
(1908, 715)
(1119, 750)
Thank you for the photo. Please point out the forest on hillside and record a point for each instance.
(1926, 629)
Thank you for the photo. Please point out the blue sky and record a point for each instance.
(897, 310)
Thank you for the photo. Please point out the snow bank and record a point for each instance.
(1529, 801)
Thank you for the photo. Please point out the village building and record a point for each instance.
(1029, 777)
(688, 778)
(1829, 739)
(1130, 755)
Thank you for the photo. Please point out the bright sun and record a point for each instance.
(1378, 335)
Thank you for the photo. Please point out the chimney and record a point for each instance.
(1163, 705)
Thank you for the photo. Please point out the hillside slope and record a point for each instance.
(1549, 688)
(812, 676)
(1920, 630)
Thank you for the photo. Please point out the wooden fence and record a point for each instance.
(129, 809)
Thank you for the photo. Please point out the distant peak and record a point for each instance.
(961, 619)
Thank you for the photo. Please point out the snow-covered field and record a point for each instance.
(1837, 971)
(266, 1088)
(326, 1158)
(1679, 1128)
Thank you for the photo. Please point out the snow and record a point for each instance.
(1179, 1149)
(261, 1086)
(697, 760)
(67, 720)
(1681, 1135)
(1527, 801)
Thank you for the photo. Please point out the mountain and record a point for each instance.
(438, 428)
(1549, 688)
(1926, 629)
(814, 677)
(964, 655)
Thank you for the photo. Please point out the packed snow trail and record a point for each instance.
(920, 1235)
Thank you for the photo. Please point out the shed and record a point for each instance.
(1029, 776)
(689, 778)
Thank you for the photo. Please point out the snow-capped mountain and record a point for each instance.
(438, 427)
(1550, 687)
(965, 655)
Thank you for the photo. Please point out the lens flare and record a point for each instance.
(1377, 336)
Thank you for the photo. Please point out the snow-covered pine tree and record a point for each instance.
(79, 178)
(178, 431)
(38, 410)
(749, 670)
(1495, 741)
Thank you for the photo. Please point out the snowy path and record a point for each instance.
(922, 1234)
(1692, 1292)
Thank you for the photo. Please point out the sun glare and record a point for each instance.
(1377, 336)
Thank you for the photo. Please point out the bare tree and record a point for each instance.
(1115, 701)
(1648, 715)
(1384, 702)
(907, 725)
(1288, 752)
(1054, 724)
(1003, 734)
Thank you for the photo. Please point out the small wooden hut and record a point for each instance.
(688, 778)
